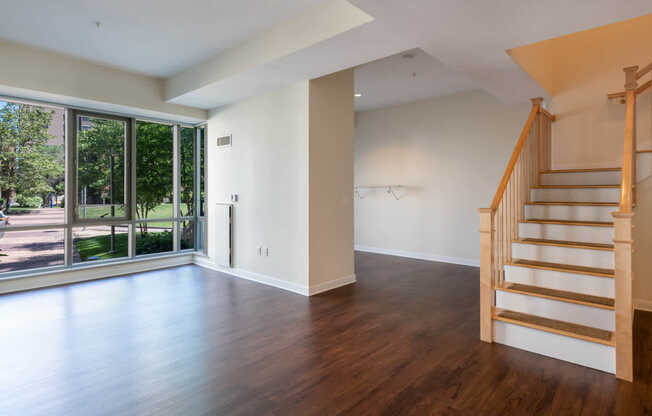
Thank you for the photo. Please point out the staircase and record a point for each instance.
(557, 295)
(556, 250)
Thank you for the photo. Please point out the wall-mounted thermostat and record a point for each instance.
(224, 141)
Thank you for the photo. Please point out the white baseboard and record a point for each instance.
(254, 277)
(419, 256)
(643, 305)
(91, 272)
(332, 284)
(204, 261)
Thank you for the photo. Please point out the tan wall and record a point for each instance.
(450, 152)
(578, 71)
(38, 74)
(331, 177)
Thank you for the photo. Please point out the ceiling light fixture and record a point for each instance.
(357, 95)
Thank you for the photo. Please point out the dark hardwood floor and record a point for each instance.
(191, 341)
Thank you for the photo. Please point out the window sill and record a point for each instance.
(84, 272)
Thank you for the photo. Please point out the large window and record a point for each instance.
(80, 187)
(101, 145)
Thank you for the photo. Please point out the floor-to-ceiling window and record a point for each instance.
(83, 187)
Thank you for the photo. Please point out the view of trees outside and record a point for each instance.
(32, 181)
(31, 159)
(101, 167)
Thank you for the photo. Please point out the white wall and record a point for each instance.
(291, 164)
(267, 166)
(450, 152)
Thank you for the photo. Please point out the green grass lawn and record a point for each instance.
(100, 246)
(19, 210)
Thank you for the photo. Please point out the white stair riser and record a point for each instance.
(561, 311)
(580, 233)
(581, 178)
(576, 194)
(564, 255)
(570, 282)
(570, 212)
(586, 353)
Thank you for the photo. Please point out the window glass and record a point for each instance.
(101, 146)
(202, 172)
(32, 154)
(154, 237)
(100, 242)
(24, 250)
(154, 145)
(187, 234)
(187, 170)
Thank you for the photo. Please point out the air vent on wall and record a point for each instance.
(224, 141)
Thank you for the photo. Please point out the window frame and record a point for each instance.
(71, 218)
(73, 154)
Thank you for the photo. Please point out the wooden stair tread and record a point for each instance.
(582, 170)
(574, 186)
(588, 204)
(564, 243)
(560, 295)
(586, 333)
(567, 268)
(568, 222)
(644, 151)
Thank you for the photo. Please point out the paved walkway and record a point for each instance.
(22, 250)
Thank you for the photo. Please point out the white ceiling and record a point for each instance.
(404, 77)
(167, 38)
(154, 37)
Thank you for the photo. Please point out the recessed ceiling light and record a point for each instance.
(357, 95)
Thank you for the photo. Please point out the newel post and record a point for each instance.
(486, 284)
(541, 165)
(623, 298)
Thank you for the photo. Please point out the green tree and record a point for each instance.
(27, 162)
(98, 147)
(187, 173)
(154, 168)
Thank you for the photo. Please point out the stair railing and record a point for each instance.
(499, 223)
(623, 241)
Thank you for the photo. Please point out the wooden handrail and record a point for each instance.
(536, 105)
(545, 112)
(647, 68)
(644, 86)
